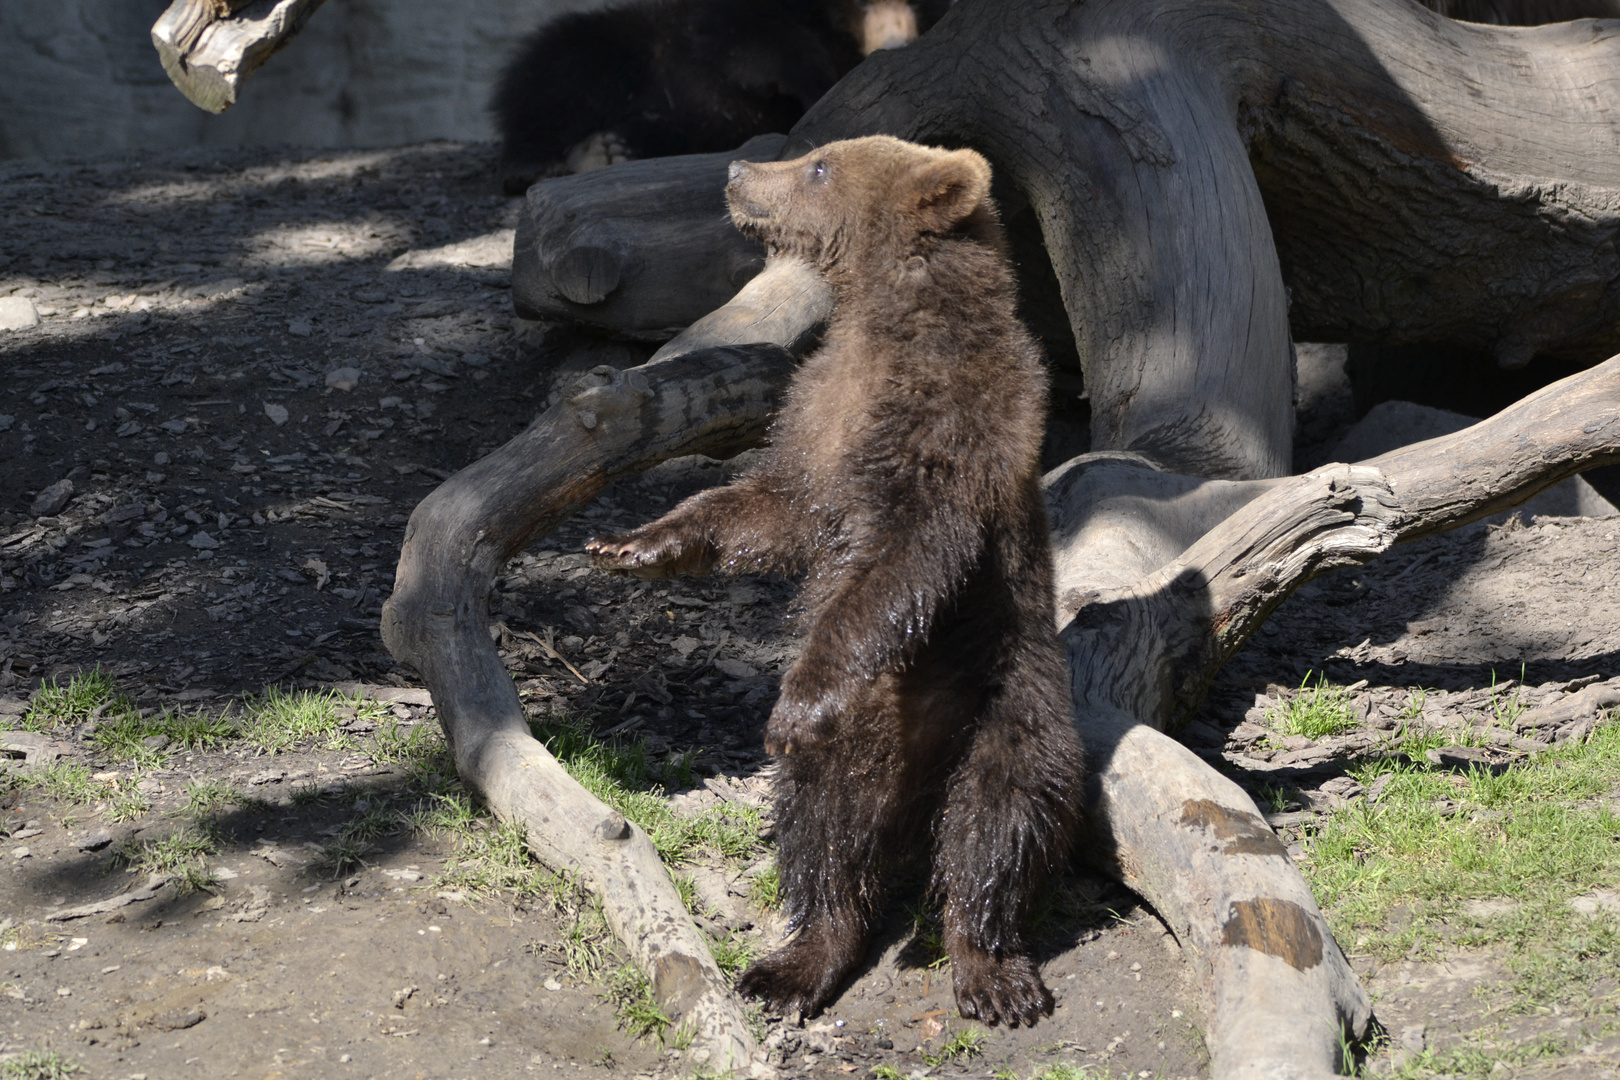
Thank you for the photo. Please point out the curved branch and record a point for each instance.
(715, 400)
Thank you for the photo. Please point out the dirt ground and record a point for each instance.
(249, 368)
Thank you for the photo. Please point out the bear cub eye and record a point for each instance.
(818, 171)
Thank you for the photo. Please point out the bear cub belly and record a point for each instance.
(929, 705)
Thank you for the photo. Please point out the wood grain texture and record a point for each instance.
(209, 47)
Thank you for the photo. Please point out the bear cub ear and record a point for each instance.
(949, 187)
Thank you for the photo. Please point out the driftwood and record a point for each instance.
(1202, 177)
(209, 47)
(700, 395)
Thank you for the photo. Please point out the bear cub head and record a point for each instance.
(862, 201)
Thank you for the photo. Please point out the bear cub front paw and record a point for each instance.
(647, 552)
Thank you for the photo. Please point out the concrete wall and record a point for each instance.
(79, 78)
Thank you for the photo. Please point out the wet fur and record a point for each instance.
(929, 704)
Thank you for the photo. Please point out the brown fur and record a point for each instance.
(929, 701)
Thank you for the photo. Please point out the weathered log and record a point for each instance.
(1142, 654)
(589, 251)
(209, 47)
(711, 397)
(1408, 178)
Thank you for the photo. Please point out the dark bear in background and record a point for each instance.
(930, 703)
(663, 77)
(1525, 12)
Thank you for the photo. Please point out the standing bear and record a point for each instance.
(929, 705)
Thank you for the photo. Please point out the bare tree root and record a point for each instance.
(715, 401)
(1142, 656)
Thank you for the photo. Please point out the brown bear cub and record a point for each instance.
(929, 704)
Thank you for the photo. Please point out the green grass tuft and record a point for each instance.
(619, 774)
(963, 1045)
(1315, 711)
(55, 703)
(180, 854)
(39, 1065)
(277, 720)
(633, 1001)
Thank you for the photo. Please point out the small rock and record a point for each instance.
(176, 426)
(343, 378)
(18, 313)
(736, 668)
(49, 503)
(179, 1020)
(20, 853)
(553, 984)
(276, 413)
(300, 327)
(203, 542)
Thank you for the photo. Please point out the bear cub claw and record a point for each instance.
(795, 978)
(1008, 990)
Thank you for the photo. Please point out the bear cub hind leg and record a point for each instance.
(841, 810)
(1008, 822)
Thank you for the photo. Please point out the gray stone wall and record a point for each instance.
(79, 78)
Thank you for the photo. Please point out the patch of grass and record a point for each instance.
(1477, 1061)
(354, 841)
(306, 794)
(395, 743)
(40, 1065)
(1506, 712)
(210, 797)
(587, 943)
(686, 889)
(128, 804)
(765, 891)
(121, 737)
(277, 720)
(963, 1045)
(57, 703)
(441, 813)
(1534, 835)
(633, 1002)
(885, 1072)
(195, 731)
(67, 782)
(732, 954)
(619, 774)
(929, 934)
(180, 854)
(1314, 711)
(492, 857)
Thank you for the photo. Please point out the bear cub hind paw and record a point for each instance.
(1008, 990)
(797, 978)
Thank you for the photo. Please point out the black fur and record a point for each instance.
(672, 77)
